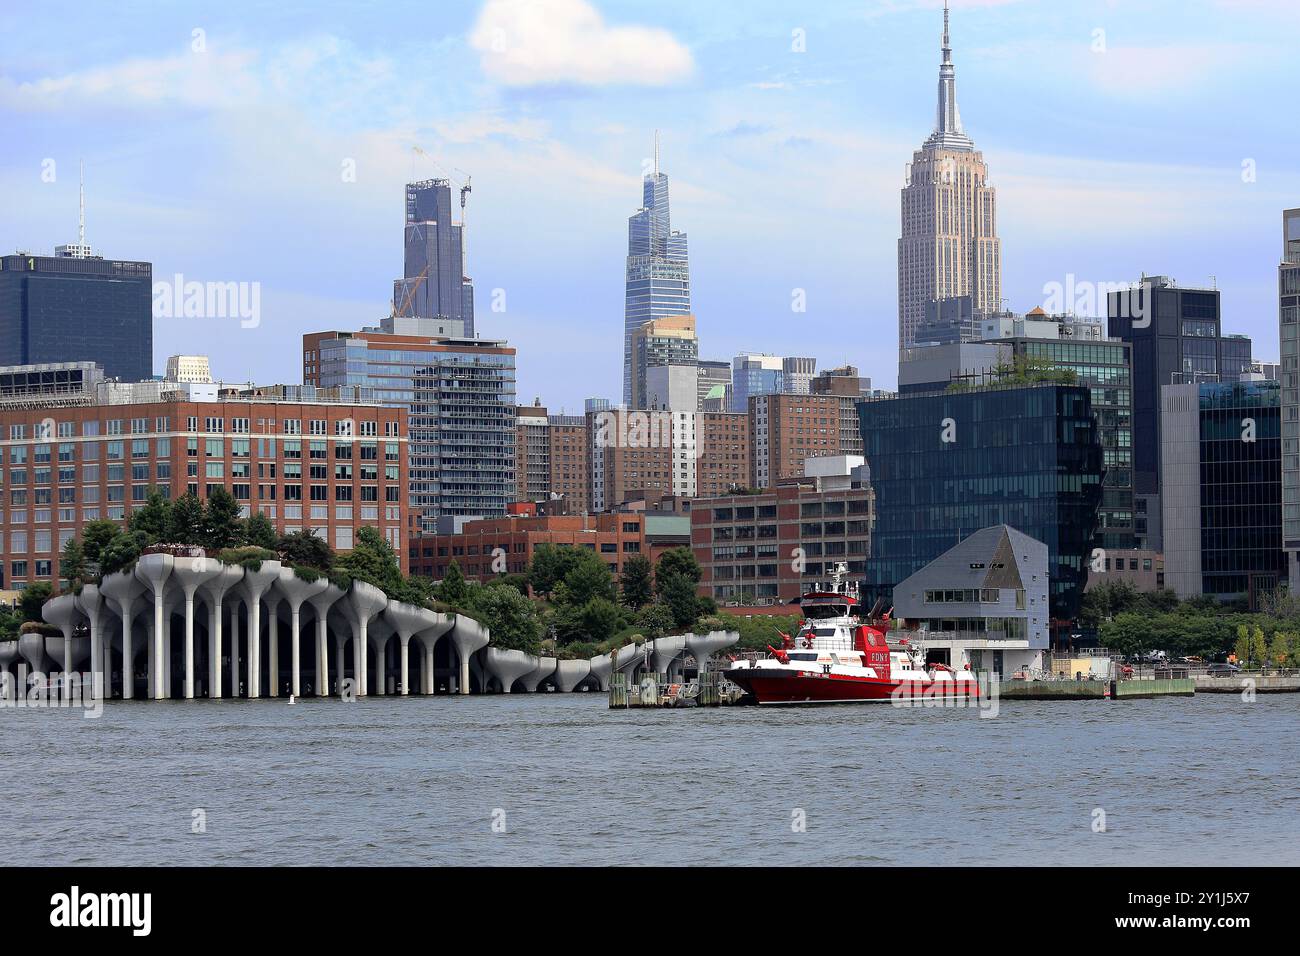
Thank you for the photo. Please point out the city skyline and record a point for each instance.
(778, 160)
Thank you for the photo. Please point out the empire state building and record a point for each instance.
(949, 245)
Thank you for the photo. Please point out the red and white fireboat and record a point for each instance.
(838, 657)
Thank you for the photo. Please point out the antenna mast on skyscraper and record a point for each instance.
(81, 224)
(656, 152)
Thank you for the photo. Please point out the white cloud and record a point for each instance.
(534, 42)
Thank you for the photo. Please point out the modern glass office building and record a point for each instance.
(433, 283)
(1177, 337)
(1288, 305)
(945, 465)
(460, 397)
(1222, 488)
(658, 277)
(72, 308)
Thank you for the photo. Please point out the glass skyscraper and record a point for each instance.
(434, 284)
(1221, 489)
(77, 307)
(658, 276)
(944, 466)
(1177, 337)
(1288, 304)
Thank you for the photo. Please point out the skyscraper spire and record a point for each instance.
(78, 249)
(81, 222)
(948, 132)
(656, 152)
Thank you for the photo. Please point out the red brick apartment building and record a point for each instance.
(615, 537)
(327, 468)
(768, 548)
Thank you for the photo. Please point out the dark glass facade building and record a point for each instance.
(945, 465)
(1177, 337)
(433, 283)
(57, 309)
(1222, 485)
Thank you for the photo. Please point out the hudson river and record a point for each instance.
(530, 779)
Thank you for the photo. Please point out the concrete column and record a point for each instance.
(428, 683)
(189, 645)
(405, 675)
(323, 655)
(234, 652)
(360, 668)
(273, 650)
(167, 655)
(214, 650)
(253, 618)
(340, 659)
(294, 663)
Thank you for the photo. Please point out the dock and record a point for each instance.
(709, 689)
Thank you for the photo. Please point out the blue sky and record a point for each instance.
(215, 141)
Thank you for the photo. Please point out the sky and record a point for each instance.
(269, 144)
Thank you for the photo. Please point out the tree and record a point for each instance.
(32, 599)
(259, 532)
(678, 595)
(655, 620)
(95, 537)
(588, 577)
(677, 562)
(593, 622)
(121, 552)
(374, 561)
(305, 550)
(1258, 647)
(1280, 650)
(510, 617)
(222, 525)
(152, 519)
(549, 566)
(72, 563)
(186, 521)
(453, 589)
(636, 584)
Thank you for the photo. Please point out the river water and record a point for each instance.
(560, 779)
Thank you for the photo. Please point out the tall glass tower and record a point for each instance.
(1288, 302)
(433, 283)
(658, 275)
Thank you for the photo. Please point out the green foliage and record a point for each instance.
(247, 556)
(511, 618)
(755, 632)
(185, 521)
(303, 549)
(222, 525)
(374, 561)
(679, 562)
(31, 600)
(259, 532)
(1023, 370)
(636, 584)
(655, 620)
(550, 565)
(588, 577)
(72, 563)
(677, 593)
(151, 520)
(95, 537)
(594, 622)
(453, 590)
(121, 552)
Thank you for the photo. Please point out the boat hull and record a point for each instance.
(778, 686)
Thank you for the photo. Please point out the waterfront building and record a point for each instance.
(657, 276)
(656, 453)
(1143, 569)
(1288, 307)
(325, 467)
(551, 458)
(434, 285)
(488, 548)
(945, 465)
(668, 341)
(460, 397)
(788, 430)
(768, 548)
(1176, 336)
(1221, 489)
(949, 245)
(981, 603)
